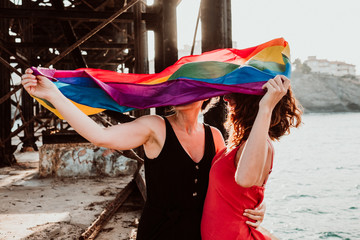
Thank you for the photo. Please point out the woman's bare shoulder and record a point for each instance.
(155, 123)
(156, 140)
(218, 139)
(150, 119)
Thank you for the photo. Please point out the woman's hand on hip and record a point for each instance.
(256, 214)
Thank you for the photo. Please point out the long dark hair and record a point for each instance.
(286, 114)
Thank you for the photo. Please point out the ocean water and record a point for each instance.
(314, 189)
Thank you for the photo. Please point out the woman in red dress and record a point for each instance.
(240, 171)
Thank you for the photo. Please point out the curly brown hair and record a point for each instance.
(286, 114)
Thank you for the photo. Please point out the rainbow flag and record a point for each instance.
(190, 79)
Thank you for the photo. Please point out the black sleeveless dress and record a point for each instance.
(176, 188)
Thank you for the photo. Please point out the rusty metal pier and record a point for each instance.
(86, 33)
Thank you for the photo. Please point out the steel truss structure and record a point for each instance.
(71, 34)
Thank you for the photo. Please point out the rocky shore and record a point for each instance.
(326, 93)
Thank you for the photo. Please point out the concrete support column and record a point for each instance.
(166, 52)
(141, 54)
(216, 33)
(215, 24)
(141, 49)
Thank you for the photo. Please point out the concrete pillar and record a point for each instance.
(141, 49)
(216, 33)
(166, 52)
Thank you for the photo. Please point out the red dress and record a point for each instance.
(226, 201)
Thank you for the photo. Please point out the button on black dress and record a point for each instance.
(176, 188)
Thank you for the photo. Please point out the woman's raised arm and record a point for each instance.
(121, 137)
(254, 154)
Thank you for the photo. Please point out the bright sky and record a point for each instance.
(327, 29)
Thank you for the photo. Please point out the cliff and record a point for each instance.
(326, 93)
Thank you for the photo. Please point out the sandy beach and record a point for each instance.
(52, 208)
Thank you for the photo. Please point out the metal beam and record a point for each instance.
(9, 93)
(47, 13)
(91, 33)
(86, 45)
(27, 102)
(70, 36)
(72, 15)
(6, 149)
(7, 65)
(17, 131)
(20, 59)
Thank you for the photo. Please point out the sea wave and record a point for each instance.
(314, 189)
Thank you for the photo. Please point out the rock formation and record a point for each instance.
(326, 93)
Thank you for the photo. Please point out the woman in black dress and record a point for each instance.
(178, 150)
